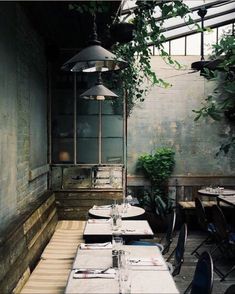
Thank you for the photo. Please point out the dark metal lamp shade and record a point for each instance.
(98, 92)
(94, 58)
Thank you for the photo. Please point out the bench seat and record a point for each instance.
(191, 204)
(49, 277)
(51, 273)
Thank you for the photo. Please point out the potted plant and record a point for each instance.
(157, 167)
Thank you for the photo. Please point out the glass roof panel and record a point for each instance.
(219, 12)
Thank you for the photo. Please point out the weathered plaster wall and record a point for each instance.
(22, 82)
(165, 118)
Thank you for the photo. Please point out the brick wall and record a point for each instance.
(23, 64)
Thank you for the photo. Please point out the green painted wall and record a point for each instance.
(23, 112)
(165, 118)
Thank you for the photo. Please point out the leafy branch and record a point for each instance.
(221, 70)
(139, 77)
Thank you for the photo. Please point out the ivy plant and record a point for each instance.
(135, 81)
(221, 102)
(139, 77)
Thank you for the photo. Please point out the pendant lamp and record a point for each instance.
(98, 91)
(94, 58)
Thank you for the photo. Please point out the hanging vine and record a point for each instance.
(139, 77)
(221, 102)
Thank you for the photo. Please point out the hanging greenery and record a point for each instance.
(136, 80)
(139, 77)
(221, 102)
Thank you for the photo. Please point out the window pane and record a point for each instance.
(178, 46)
(88, 126)
(224, 30)
(194, 44)
(62, 150)
(62, 102)
(209, 40)
(87, 106)
(87, 151)
(113, 107)
(62, 126)
(112, 150)
(112, 126)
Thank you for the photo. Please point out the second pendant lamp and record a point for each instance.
(98, 91)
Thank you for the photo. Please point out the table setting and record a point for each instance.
(96, 270)
(125, 210)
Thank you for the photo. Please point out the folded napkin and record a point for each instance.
(101, 207)
(95, 246)
(146, 261)
(97, 273)
(98, 221)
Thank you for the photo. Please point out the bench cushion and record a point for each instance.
(64, 243)
(191, 204)
(50, 276)
(71, 225)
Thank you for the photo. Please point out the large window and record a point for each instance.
(93, 128)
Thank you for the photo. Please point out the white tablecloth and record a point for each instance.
(144, 279)
(129, 227)
(132, 211)
(103, 258)
(142, 282)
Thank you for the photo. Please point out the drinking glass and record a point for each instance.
(124, 272)
(117, 242)
(124, 205)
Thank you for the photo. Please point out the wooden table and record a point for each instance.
(130, 230)
(132, 212)
(145, 279)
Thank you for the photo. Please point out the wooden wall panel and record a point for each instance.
(75, 205)
(23, 242)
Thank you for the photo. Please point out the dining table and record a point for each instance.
(100, 230)
(216, 192)
(229, 200)
(103, 211)
(148, 270)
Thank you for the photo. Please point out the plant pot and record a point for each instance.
(122, 32)
(157, 224)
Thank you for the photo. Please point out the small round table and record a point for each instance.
(215, 193)
(132, 212)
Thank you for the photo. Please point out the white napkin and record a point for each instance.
(98, 221)
(95, 246)
(146, 261)
(101, 207)
(97, 273)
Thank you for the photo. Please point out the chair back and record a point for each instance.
(201, 214)
(203, 276)
(179, 250)
(220, 223)
(170, 229)
(230, 289)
